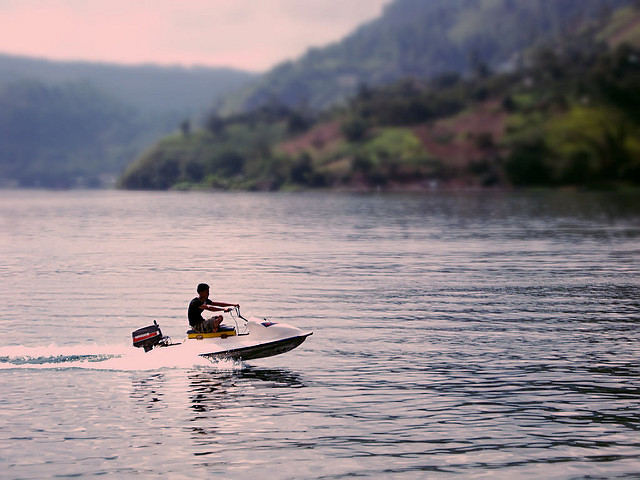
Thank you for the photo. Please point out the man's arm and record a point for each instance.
(211, 308)
(222, 304)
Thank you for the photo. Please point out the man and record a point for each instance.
(201, 303)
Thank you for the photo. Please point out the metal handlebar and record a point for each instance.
(235, 314)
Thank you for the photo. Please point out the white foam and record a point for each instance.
(104, 357)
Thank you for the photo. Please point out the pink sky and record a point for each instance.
(247, 34)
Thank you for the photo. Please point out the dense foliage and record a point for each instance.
(421, 39)
(580, 125)
(235, 151)
(568, 116)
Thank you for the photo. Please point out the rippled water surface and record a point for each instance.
(491, 335)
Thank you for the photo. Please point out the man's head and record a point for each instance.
(202, 288)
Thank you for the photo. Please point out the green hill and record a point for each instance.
(568, 115)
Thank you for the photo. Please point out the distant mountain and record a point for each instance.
(420, 38)
(65, 124)
(148, 87)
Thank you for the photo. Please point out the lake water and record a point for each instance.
(468, 335)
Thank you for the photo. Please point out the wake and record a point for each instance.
(102, 357)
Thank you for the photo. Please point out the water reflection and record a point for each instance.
(213, 390)
(210, 391)
(231, 408)
(149, 391)
(274, 377)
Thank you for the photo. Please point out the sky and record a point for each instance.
(252, 35)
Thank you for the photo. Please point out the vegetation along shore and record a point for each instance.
(564, 114)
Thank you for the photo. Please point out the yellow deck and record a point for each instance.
(223, 334)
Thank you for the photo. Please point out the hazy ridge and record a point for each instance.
(68, 124)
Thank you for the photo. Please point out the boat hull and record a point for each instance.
(262, 350)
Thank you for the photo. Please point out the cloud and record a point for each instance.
(246, 34)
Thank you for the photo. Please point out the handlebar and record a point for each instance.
(237, 309)
(235, 314)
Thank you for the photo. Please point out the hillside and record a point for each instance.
(417, 38)
(145, 87)
(568, 116)
(68, 124)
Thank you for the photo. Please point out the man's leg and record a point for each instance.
(216, 322)
(212, 324)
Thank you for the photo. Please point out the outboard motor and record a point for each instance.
(148, 337)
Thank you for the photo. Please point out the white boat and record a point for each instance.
(249, 339)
